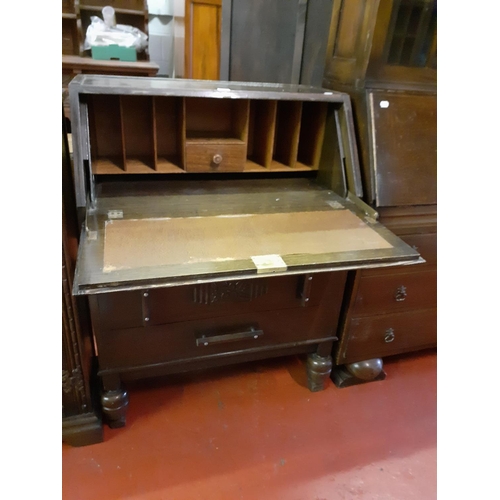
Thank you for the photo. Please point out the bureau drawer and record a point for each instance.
(136, 347)
(426, 246)
(395, 292)
(123, 310)
(385, 335)
(215, 156)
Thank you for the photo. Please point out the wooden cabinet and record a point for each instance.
(221, 223)
(394, 43)
(404, 47)
(389, 70)
(394, 311)
(75, 21)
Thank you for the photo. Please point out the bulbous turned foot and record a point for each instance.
(359, 372)
(318, 371)
(114, 406)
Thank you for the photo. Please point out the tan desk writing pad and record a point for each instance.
(155, 242)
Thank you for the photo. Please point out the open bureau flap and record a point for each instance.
(186, 182)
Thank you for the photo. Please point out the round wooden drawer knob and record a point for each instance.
(217, 159)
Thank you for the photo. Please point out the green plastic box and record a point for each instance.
(110, 52)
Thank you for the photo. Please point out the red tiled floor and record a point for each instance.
(255, 432)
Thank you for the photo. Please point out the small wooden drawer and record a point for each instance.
(388, 334)
(395, 292)
(215, 155)
(223, 336)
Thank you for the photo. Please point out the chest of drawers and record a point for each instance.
(394, 311)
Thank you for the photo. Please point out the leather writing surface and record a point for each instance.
(166, 241)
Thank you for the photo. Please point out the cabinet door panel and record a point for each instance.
(404, 148)
(203, 32)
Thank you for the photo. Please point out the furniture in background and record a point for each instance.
(203, 22)
(283, 41)
(81, 424)
(76, 16)
(220, 224)
(389, 70)
(75, 21)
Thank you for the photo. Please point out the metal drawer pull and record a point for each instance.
(400, 294)
(389, 335)
(217, 159)
(229, 337)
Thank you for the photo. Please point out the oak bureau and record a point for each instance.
(220, 220)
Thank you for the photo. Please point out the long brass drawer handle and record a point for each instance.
(229, 337)
(389, 335)
(400, 294)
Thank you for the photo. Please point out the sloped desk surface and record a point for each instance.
(176, 232)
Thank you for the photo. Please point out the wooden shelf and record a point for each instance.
(76, 64)
(169, 166)
(203, 138)
(107, 166)
(129, 12)
(96, 8)
(171, 135)
(275, 166)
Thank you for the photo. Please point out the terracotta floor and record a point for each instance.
(256, 432)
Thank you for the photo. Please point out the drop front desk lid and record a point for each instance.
(175, 233)
(268, 205)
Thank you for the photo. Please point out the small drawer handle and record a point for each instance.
(389, 335)
(206, 340)
(400, 294)
(217, 159)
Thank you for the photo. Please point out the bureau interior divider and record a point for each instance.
(150, 134)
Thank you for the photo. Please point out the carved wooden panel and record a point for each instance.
(75, 398)
(229, 291)
(80, 424)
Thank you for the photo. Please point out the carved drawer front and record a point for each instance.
(209, 300)
(222, 336)
(218, 157)
(379, 336)
(426, 246)
(397, 292)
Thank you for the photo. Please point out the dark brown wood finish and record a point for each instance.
(388, 334)
(282, 41)
(81, 425)
(208, 270)
(157, 331)
(404, 134)
(389, 70)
